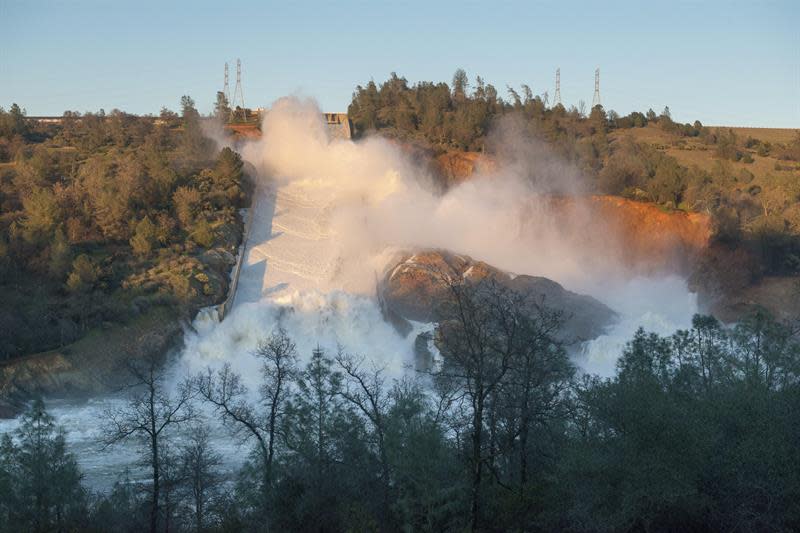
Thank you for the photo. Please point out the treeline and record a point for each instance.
(696, 432)
(762, 218)
(104, 216)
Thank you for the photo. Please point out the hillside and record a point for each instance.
(693, 151)
(106, 217)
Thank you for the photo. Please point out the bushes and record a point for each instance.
(144, 238)
(94, 200)
(202, 233)
(83, 275)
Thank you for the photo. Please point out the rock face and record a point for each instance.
(456, 167)
(412, 288)
(643, 237)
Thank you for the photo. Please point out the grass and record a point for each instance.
(693, 152)
(770, 135)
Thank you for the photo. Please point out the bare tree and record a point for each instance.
(537, 382)
(478, 331)
(225, 391)
(151, 410)
(366, 390)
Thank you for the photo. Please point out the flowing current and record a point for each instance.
(328, 216)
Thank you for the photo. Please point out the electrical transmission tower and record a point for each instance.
(238, 96)
(596, 97)
(557, 96)
(227, 89)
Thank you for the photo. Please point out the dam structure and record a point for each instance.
(339, 125)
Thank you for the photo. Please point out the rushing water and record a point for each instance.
(659, 305)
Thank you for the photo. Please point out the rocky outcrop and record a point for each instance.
(412, 288)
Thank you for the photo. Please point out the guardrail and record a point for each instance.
(224, 308)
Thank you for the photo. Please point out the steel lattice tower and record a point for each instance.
(238, 96)
(226, 90)
(557, 96)
(596, 97)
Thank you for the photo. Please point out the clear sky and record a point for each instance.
(722, 62)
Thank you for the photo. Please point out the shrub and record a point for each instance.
(144, 238)
(203, 234)
(83, 276)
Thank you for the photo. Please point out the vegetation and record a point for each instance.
(106, 215)
(696, 432)
(750, 186)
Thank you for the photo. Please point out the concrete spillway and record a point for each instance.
(287, 248)
(290, 247)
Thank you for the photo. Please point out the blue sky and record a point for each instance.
(732, 63)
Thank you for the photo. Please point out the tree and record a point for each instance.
(533, 394)
(60, 255)
(222, 108)
(42, 213)
(83, 276)
(17, 124)
(42, 489)
(194, 145)
(322, 439)
(199, 472)
(227, 176)
(202, 233)
(366, 390)
(187, 202)
(262, 422)
(151, 412)
(478, 335)
(144, 238)
(460, 83)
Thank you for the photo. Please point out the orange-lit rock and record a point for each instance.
(413, 288)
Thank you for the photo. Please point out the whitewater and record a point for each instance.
(328, 217)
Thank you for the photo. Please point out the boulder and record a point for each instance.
(412, 288)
